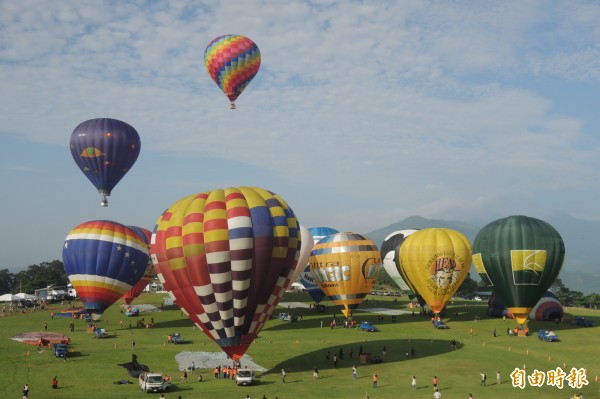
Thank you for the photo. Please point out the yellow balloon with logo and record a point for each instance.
(345, 266)
(436, 261)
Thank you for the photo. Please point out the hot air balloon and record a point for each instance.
(548, 308)
(345, 265)
(232, 61)
(104, 149)
(436, 261)
(305, 248)
(306, 277)
(520, 257)
(226, 256)
(103, 260)
(148, 275)
(321, 232)
(390, 248)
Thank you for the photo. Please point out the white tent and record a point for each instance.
(9, 298)
(22, 295)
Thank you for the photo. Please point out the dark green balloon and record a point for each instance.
(521, 256)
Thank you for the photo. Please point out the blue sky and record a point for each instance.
(363, 113)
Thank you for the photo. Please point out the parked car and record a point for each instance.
(319, 308)
(439, 324)
(547, 335)
(245, 377)
(583, 322)
(367, 326)
(176, 338)
(287, 317)
(100, 333)
(153, 382)
(60, 350)
(132, 312)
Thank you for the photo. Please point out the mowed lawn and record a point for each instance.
(93, 365)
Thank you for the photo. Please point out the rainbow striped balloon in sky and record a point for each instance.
(232, 61)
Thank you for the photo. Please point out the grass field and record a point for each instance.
(297, 347)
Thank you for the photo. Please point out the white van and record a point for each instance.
(245, 377)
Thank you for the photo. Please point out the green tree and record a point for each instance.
(592, 301)
(468, 287)
(7, 282)
(41, 276)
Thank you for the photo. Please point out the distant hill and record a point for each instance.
(581, 270)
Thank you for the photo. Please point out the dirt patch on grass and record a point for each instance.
(47, 338)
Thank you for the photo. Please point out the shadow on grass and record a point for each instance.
(178, 323)
(397, 350)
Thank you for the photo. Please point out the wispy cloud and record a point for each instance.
(398, 107)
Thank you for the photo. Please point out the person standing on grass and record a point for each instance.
(315, 373)
(283, 375)
(25, 391)
(354, 373)
(375, 380)
(435, 382)
(437, 394)
(414, 383)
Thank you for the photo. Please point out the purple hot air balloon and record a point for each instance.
(105, 149)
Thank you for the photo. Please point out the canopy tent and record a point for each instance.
(22, 295)
(9, 298)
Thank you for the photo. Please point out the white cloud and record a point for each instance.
(393, 108)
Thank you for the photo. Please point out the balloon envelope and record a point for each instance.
(232, 61)
(103, 260)
(226, 256)
(345, 265)
(305, 249)
(104, 149)
(306, 277)
(148, 275)
(520, 257)
(436, 261)
(548, 308)
(321, 232)
(390, 249)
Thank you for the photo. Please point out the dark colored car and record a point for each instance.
(583, 322)
(60, 350)
(547, 335)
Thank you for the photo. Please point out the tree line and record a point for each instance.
(33, 278)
